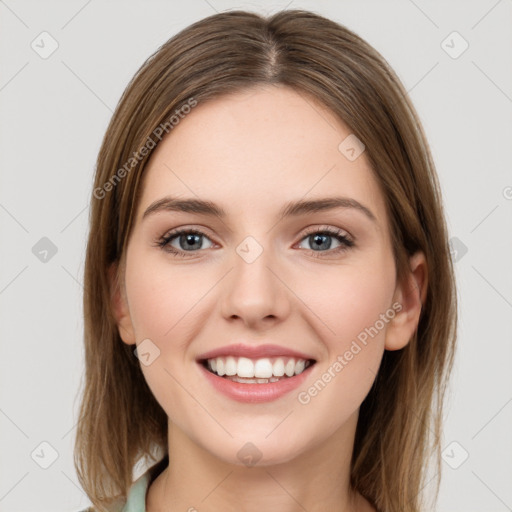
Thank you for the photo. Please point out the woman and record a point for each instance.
(225, 335)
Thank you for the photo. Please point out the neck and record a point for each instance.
(316, 480)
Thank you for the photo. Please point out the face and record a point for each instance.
(311, 285)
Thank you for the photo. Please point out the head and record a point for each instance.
(252, 123)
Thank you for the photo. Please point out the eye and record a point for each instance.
(189, 240)
(320, 238)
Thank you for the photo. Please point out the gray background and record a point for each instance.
(54, 112)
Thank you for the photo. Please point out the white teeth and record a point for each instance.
(230, 366)
(220, 367)
(253, 381)
(299, 366)
(245, 368)
(260, 370)
(278, 367)
(289, 369)
(263, 368)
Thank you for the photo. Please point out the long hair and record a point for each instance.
(399, 424)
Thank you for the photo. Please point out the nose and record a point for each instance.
(254, 292)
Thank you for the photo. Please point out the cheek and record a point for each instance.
(163, 299)
(164, 304)
(343, 302)
(351, 321)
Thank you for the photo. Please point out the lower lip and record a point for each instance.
(255, 393)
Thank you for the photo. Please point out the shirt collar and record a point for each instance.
(136, 499)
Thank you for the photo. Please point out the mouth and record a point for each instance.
(256, 371)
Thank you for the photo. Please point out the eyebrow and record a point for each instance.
(291, 209)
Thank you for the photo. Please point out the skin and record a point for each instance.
(251, 152)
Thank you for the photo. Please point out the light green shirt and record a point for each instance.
(136, 499)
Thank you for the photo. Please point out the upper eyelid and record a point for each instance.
(332, 229)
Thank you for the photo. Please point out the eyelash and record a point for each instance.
(346, 243)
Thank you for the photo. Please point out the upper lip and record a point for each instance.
(253, 352)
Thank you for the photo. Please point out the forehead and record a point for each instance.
(259, 148)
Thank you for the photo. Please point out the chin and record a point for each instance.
(251, 451)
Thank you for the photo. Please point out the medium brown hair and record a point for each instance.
(399, 424)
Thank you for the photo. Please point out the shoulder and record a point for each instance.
(136, 499)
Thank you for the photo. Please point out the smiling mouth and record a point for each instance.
(256, 371)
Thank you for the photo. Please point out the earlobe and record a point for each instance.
(120, 309)
(411, 296)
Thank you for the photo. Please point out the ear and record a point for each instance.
(119, 307)
(411, 295)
